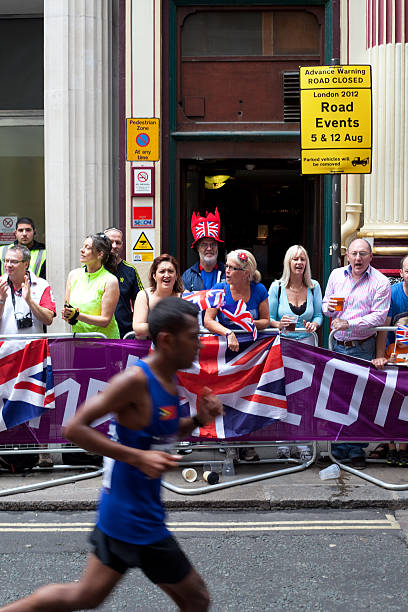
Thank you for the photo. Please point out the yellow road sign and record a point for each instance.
(315, 77)
(336, 119)
(142, 139)
(333, 161)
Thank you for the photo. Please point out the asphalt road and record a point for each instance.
(322, 560)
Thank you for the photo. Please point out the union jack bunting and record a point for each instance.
(241, 316)
(211, 298)
(27, 385)
(401, 334)
(250, 384)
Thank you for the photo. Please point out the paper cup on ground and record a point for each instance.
(332, 471)
(211, 477)
(283, 452)
(189, 474)
(339, 302)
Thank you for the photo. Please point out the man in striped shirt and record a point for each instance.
(367, 295)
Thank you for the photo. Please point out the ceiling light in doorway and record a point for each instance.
(216, 181)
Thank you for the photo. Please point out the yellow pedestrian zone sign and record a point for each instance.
(335, 119)
(142, 139)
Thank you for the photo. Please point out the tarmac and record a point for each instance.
(289, 490)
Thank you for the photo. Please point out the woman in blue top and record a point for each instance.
(242, 284)
(296, 293)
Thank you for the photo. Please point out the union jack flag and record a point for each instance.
(401, 334)
(207, 229)
(241, 316)
(211, 298)
(250, 384)
(27, 385)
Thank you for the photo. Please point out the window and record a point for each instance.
(21, 64)
(250, 33)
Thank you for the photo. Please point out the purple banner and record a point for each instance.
(81, 368)
(329, 396)
(333, 397)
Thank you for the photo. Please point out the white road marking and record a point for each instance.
(227, 526)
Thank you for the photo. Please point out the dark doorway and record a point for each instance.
(265, 206)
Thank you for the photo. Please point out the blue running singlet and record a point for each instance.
(130, 507)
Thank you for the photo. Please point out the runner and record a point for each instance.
(130, 530)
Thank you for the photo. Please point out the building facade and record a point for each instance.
(222, 77)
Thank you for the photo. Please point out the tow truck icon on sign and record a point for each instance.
(357, 161)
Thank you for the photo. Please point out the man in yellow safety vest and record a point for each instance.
(24, 233)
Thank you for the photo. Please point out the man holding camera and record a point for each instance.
(26, 301)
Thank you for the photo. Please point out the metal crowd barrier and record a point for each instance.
(200, 445)
(381, 483)
(38, 449)
(298, 466)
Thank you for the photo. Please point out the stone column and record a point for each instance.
(386, 189)
(76, 131)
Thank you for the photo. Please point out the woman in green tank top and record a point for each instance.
(92, 291)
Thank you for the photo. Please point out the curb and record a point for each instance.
(91, 506)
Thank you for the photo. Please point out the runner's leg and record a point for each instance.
(190, 594)
(96, 583)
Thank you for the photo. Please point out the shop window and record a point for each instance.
(250, 33)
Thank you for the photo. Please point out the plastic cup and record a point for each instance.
(189, 474)
(293, 322)
(211, 477)
(339, 303)
(332, 471)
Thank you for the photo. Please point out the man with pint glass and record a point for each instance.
(357, 300)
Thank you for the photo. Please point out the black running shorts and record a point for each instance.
(162, 562)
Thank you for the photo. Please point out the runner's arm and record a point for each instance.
(209, 407)
(115, 398)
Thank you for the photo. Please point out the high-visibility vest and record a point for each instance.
(37, 260)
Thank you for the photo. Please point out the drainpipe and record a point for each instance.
(353, 210)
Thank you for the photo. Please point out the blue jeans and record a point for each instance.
(366, 351)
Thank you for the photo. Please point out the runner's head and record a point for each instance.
(174, 329)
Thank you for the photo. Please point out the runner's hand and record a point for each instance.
(209, 406)
(154, 463)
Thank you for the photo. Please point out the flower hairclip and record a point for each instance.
(243, 256)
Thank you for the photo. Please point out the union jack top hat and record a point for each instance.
(206, 227)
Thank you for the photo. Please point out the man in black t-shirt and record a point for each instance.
(129, 283)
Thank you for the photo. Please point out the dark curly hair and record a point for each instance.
(178, 285)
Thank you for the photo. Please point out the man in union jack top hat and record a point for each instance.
(208, 271)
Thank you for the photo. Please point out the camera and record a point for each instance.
(23, 322)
